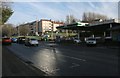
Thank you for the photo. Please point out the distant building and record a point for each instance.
(46, 25)
(42, 26)
(33, 28)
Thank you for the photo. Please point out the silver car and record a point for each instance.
(91, 41)
(31, 41)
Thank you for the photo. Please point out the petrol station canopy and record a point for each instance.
(95, 26)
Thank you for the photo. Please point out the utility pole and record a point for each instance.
(18, 29)
(52, 29)
(66, 31)
(111, 31)
(36, 26)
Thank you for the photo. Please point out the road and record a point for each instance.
(69, 60)
(13, 66)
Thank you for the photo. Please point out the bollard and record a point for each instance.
(54, 50)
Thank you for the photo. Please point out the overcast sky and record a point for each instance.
(30, 10)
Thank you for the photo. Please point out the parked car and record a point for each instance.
(91, 41)
(21, 40)
(108, 39)
(6, 41)
(14, 40)
(31, 41)
(76, 40)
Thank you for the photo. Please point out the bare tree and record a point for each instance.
(84, 17)
(70, 19)
(91, 16)
(8, 30)
(24, 30)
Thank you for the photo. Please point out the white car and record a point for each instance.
(31, 41)
(91, 41)
(77, 40)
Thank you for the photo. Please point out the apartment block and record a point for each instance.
(46, 25)
(40, 27)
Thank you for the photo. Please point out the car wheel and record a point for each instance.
(29, 44)
(88, 45)
(10, 43)
(95, 44)
(25, 45)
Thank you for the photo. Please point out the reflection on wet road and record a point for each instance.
(58, 60)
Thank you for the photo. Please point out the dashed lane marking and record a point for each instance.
(26, 47)
(74, 58)
(74, 65)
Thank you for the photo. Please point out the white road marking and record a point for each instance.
(74, 65)
(55, 70)
(26, 47)
(100, 47)
(74, 58)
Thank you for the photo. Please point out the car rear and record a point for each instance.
(91, 41)
(6, 41)
(14, 40)
(21, 40)
(34, 42)
(77, 40)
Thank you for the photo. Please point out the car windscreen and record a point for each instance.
(33, 39)
(6, 38)
(21, 38)
(14, 38)
(91, 39)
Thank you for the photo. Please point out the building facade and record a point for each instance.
(41, 27)
(33, 27)
(46, 25)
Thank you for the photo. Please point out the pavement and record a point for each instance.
(0, 60)
(14, 66)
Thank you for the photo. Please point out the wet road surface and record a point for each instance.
(13, 66)
(61, 60)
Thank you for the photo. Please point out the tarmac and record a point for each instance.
(14, 66)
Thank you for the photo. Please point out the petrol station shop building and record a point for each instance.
(101, 29)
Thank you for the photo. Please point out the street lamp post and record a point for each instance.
(52, 30)
(111, 31)
(18, 30)
(37, 26)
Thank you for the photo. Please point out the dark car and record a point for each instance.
(21, 40)
(14, 40)
(6, 41)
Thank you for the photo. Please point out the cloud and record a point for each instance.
(104, 8)
(26, 12)
(109, 8)
(19, 18)
(60, 0)
(39, 10)
(48, 10)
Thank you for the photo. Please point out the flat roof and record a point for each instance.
(73, 26)
(88, 27)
